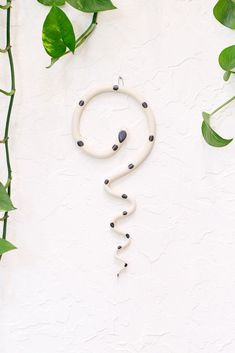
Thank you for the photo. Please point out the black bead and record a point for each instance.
(151, 138)
(115, 147)
(124, 213)
(119, 247)
(127, 236)
(106, 181)
(81, 103)
(80, 143)
(124, 196)
(115, 87)
(131, 166)
(125, 265)
(112, 225)
(122, 136)
(144, 105)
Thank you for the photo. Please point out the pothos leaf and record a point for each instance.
(224, 12)
(52, 2)
(6, 246)
(5, 201)
(91, 5)
(227, 58)
(210, 136)
(57, 33)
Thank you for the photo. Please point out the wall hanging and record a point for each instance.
(224, 12)
(58, 35)
(122, 136)
(5, 188)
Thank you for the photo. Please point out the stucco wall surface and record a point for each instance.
(58, 291)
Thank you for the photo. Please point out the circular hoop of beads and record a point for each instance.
(122, 137)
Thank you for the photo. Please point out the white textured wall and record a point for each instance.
(58, 291)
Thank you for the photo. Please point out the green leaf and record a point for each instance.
(91, 5)
(224, 12)
(57, 33)
(6, 246)
(5, 201)
(210, 136)
(227, 58)
(52, 2)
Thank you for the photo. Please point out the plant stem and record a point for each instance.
(223, 105)
(80, 39)
(88, 31)
(8, 118)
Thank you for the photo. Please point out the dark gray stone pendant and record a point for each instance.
(122, 136)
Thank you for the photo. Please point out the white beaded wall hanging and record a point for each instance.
(124, 170)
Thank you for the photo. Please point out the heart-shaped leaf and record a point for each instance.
(57, 33)
(210, 136)
(224, 12)
(227, 58)
(5, 201)
(52, 2)
(91, 5)
(6, 246)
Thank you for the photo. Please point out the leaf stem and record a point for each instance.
(88, 31)
(5, 7)
(80, 40)
(4, 50)
(10, 93)
(223, 105)
(3, 218)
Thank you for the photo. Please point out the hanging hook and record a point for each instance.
(120, 79)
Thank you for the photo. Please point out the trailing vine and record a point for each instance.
(58, 34)
(6, 204)
(224, 12)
